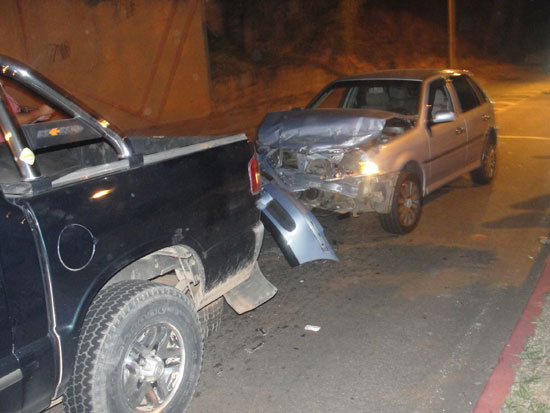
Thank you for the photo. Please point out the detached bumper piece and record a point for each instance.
(294, 227)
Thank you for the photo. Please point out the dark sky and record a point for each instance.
(475, 16)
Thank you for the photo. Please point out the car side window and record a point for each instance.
(467, 97)
(478, 90)
(439, 99)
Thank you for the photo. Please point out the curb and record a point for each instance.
(498, 386)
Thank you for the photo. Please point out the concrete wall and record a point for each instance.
(137, 62)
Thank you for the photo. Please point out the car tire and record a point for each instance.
(140, 348)
(486, 172)
(406, 205)
(210, 317)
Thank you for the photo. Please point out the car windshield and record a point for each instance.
(391, 95)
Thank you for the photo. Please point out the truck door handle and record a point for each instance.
(486, 117)
(459, 131)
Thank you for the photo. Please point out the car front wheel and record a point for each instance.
(140, 349)
(406, 205)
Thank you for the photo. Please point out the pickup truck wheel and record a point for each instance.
(486, 172)
(210, 317)
(406, 205)
(140, 349)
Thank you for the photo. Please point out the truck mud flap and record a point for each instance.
(294, 227)
(251, 293)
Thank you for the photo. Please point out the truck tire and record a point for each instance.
(140, 349)
(406, 205)
(210, 317)
(486, 172)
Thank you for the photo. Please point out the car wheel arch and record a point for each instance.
(416, 168)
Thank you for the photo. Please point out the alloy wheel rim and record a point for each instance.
(153, 368)
(408, 203)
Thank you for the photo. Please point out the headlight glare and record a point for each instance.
(368, 168)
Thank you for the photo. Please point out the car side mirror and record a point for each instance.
(442, 117)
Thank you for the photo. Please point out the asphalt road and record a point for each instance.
(413, 323)
(408, 324)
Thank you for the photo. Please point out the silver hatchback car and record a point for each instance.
(381, 142)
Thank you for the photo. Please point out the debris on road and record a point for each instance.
(310, 327)
(252, 349)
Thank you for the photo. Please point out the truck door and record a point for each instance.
(10, 373)
(27, 368)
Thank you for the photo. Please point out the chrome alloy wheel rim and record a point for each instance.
(490, 163)
(408, 203)
(153, 368)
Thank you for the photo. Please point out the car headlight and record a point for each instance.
(368, 168)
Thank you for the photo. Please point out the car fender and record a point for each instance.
(407, 160)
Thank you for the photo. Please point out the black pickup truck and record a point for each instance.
(115, 253)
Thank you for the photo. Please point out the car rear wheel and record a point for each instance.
(486, 172)
(406, 205)
(140, 349)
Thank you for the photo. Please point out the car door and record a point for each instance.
(477, 113)
(447, 139)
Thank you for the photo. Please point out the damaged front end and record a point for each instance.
(330, 158)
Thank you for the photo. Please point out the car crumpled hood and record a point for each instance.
(318, 130)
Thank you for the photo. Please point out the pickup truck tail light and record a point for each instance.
(254, 175)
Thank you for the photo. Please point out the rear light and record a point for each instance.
(254, 175)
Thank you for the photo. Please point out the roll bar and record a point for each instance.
(13, 134)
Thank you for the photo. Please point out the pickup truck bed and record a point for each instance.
(92, 223)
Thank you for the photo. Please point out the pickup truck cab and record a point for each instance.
(115, 254)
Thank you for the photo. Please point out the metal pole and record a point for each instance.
(452, 37)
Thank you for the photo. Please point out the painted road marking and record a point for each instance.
(535, 138)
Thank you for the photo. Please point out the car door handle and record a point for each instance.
(459, 131)
(486, 117)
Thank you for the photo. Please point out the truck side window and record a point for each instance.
(467, 97)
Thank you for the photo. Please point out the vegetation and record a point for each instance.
(247, 34)
(531, 389)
